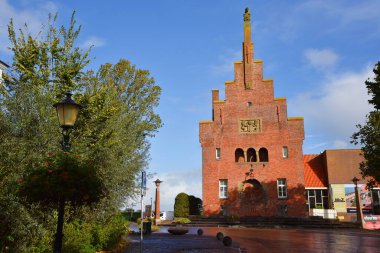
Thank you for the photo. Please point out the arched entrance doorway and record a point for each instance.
(253, 199)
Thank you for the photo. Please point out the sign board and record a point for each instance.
(143, 183)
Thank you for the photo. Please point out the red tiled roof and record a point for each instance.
(315, 173)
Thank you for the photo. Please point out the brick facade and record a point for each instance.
(250, 129)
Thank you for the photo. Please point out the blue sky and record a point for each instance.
(319, 54)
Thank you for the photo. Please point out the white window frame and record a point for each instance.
(223, 188)
(217, 153)
(285, 152)
(282, 189)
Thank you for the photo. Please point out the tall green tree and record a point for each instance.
(111, 133)
(368, 135)
(181, 205)
(195, 205)
(43, 67)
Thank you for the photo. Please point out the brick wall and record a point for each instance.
(250, 97)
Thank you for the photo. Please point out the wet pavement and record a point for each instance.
(261, 240)
(163, 242)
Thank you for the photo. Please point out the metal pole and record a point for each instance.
(143, 185)
(61, 205)
(142, 217)
(59, 234)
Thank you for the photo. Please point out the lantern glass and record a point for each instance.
(67, 112)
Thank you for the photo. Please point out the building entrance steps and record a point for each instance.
(270, 222)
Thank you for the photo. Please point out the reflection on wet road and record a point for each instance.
(302, 240)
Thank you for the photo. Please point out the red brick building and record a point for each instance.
(252, 159)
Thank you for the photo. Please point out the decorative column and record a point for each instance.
(157, 202)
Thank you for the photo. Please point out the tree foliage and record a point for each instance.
(111, 132)
(194, 205)
(186, 205)
(62, 176)
(368, 135)
(181, 205)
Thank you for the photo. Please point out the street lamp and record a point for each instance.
(358, 207)
(67, 112)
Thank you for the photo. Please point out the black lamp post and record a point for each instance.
(67, 112)
(357, 201)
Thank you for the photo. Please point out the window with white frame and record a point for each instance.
(284, 152)
(318, 198)
(281, 188)
(223, 188)
(217, 153)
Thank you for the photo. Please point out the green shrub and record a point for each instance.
(155, 228)
(182, 220)
(194, 205)
(90, 236)
(181, 205)
(78, 237)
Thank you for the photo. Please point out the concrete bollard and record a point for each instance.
(200, 232)
(219, 236)
(227, 241)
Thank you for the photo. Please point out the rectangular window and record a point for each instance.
(217, 154)
(376, 201)
(318, 198)
(223, 188)
(281, 188)
(284, 152)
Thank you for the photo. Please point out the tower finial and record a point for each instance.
(247, 15)
(247, 51)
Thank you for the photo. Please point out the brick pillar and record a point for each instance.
(157, 202)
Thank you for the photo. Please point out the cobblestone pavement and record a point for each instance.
(261, 240)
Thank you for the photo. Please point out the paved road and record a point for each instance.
(303, 240)
(262, 241)
(163, 242)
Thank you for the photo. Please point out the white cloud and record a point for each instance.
(321, 59)
(174, 182)
(335, 108)
(364, 10)
(225, 66)
(93, 42)
(34, 16)
(339, 144)
(316, 146)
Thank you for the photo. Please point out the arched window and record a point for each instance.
(251, 155)
(239, 155)
(263, 155)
